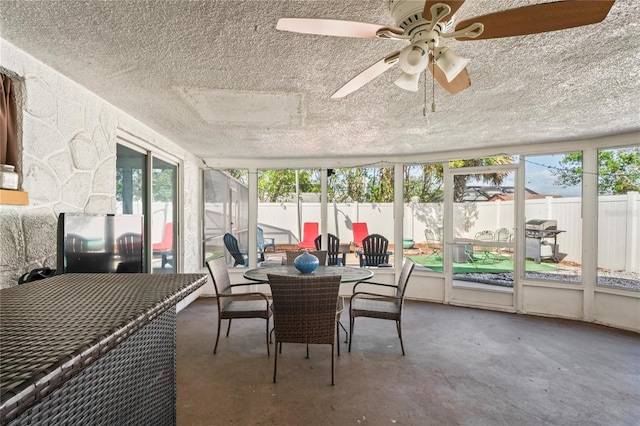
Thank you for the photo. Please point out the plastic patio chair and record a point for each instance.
(374, 251)
(335, 257)
(360, 232)
(309, 233)
(239, 255)
(264, 243)
(165, 247)
(375, 305)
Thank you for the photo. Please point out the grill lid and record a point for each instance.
(542, 224)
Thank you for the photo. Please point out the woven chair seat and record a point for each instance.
(376, 308)
(245, 308)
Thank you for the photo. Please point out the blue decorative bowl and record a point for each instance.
(306, 263)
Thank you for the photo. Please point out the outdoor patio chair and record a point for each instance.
(130, 252)
(376, 305)
(320, 254)
(374, 251)
(335, 257)
(264, 243)
(502, 235)
(309, 233)
(434, 243)
(360, 232)
(239, 255)
(165, 247)
(232, 305)
(485, 252)
(305, 312)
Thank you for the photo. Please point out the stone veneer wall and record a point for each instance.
(68, 164)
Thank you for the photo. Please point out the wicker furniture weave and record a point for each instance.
(236, 305)
(305, 312)
(375, 305)
(91, 348)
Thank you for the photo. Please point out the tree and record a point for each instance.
(618, 171)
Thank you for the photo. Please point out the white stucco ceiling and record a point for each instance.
(218, 79)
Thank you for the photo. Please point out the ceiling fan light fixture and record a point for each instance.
(414, 58)
(408, 81)
(449, 62)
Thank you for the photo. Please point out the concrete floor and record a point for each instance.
(463, 367)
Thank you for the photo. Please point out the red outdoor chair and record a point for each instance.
(165, 247)
(360, 232)
(309, 233)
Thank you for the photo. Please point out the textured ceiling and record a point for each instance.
(219, 80)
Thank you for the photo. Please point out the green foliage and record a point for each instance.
(618, 171)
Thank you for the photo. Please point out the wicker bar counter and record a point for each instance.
(91, 349)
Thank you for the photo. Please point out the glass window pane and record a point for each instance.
(164, 216)
(553, 229)
(619, 218)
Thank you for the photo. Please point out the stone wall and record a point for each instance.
(69, 138)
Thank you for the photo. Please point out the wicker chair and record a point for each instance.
(236, 305)
(305, 312)
(334, 255)
(374, 305)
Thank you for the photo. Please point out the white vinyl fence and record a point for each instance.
(618, 228)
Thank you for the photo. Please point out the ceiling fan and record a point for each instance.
(426, 23)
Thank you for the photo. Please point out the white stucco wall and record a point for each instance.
(68, 164)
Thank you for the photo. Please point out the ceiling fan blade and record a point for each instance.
(539, 18)
(332, 27)
(458, 84)
(367, 75)
(453, 4)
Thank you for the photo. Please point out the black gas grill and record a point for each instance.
(542, 239)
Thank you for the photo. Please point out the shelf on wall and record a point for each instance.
(19, 198)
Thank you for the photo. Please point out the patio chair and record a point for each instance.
(502, 235)
(486, 252)
(335, 257)
(434, 243)
(320, 254)
(236, 305)
(264, 243)
(165, 247)
(130, 252)
(374, 251)
(305, 312)
(360, 232)
(376, 305)
(309, 233)
(239, 255)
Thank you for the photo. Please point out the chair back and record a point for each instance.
(484, 236)
(374, 250)
(334, 255)
(231, 243)
(221, 281)
(304, 308)
(403, 279)
(76, 244)
(360, 232)
(320, 254)
(503, 235)
(309, 234)
(167, 239)
(129, 246)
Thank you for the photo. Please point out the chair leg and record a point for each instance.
(346, 337)
(338, 336)
(275, 362)
(399, 327)
(307, 351)
(350, 332)
(228, 327)
(268, 350)
(217, 335)
(332, 362)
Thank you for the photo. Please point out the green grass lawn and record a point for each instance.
(496, 266)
